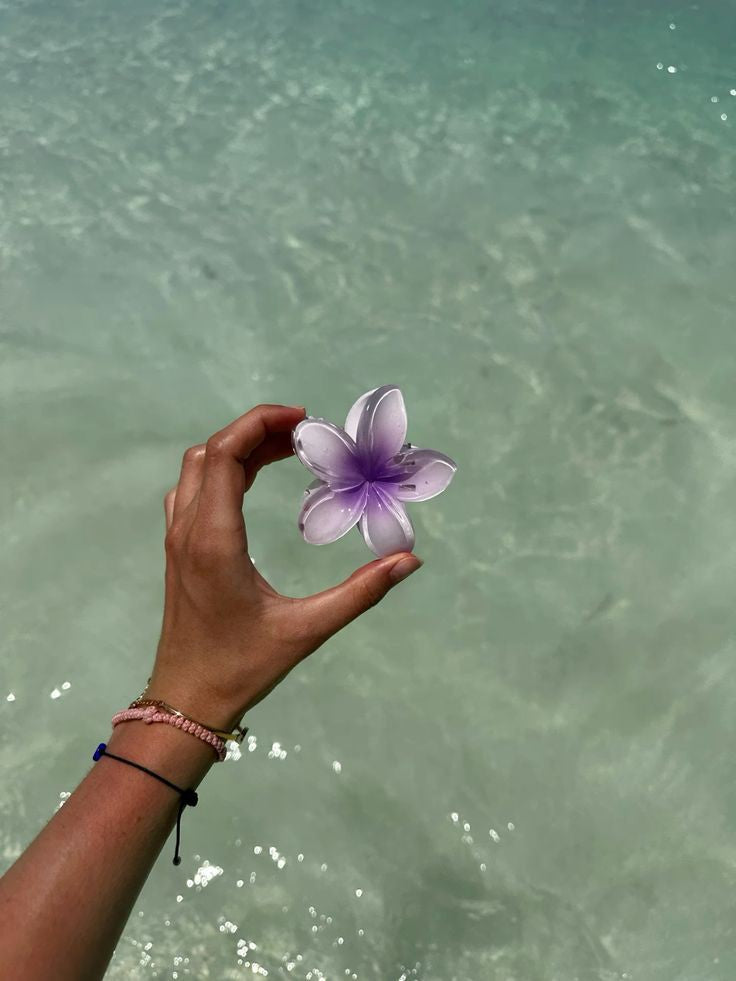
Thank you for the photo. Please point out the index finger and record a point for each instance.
(224, 482)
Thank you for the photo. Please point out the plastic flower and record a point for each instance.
(365, 473)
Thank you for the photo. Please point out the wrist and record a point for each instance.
(213, 710)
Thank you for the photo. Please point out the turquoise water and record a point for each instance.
(520, 767)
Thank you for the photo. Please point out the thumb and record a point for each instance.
(333, 608)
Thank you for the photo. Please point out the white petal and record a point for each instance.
(382, 424)
(327, 515)
(385, 525)
(328, 452)
(429, 473)
(351, 423)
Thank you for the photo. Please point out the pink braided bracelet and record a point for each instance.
(152, 714)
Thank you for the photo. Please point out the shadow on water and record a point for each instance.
(444, 918)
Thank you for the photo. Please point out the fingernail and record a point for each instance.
(303, 408)
(404, 568)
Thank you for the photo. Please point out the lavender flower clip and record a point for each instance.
(365, 472)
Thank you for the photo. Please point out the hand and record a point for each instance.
(228, 636)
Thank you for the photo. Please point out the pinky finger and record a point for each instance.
(169, 500)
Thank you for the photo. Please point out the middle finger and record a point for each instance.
(190, 479)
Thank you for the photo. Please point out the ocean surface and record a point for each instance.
(520, 766)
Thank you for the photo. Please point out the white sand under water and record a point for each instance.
(510, 210)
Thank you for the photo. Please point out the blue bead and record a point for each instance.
(99, 751)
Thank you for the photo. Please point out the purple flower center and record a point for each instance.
(395, 471)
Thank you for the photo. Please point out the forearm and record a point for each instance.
(228, 637)
(73, 889)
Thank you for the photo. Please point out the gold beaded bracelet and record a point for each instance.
(237, 735)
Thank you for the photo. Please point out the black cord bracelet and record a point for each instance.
(188, 796)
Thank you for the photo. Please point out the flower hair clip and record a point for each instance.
(365, 473)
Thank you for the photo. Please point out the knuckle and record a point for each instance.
(217, 446)
(193, 454)
(371, 593)
(260, 413)
(172, 541)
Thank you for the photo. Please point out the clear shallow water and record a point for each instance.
(512, 212)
